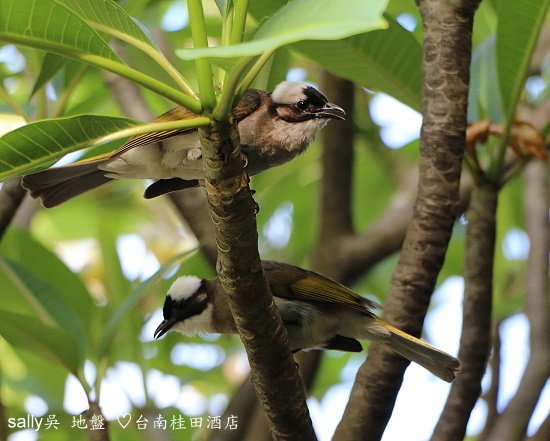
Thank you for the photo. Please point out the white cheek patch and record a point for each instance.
(184, 287)
(198, 324)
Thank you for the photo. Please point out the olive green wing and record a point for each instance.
(175, 114)
(291, 282)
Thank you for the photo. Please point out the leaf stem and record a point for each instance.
(223, 108)
(253, 72)
(200, 121)
(142, 79)
(239, 21)
(152, 52)
(200, 40)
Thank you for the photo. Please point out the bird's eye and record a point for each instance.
(302, 105)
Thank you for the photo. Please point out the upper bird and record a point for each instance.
(273, 129)
(318, 313)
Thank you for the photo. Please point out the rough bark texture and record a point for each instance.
(446, 60)
(11, 196)
(512, 424)
(191, 205)
(277, 383)
(475, 342)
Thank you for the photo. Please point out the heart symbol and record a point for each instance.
(124, 420)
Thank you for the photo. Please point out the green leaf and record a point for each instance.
(21, 247)
(25, 332)
(387, 60)
(108, 16)
(52, 26)
(302, 20)
(45, 301)
(131, 301)
(519, 24)
(44, 141)
(46, 23)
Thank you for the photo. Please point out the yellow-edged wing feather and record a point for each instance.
(176, 114)
(288, 281)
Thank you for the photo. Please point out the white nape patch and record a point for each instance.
(184, 287)
(289, 92)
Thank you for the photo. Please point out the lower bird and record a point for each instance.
(273, 129)
(318, 313)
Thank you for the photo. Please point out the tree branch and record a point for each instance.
(446, 60)
(277, 383)
(475, 341)
(512, 425)
(491, 397)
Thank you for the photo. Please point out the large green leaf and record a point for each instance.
(50, 25)
(41, 142)
(519, 24)
(44, 141)
(41, 23)
(20, 246)
(387, 60)
(108, 16)
(302, 20)
(25, 332)
(45, 301)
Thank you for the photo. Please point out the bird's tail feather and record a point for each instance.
(439, 363)
(57, 185)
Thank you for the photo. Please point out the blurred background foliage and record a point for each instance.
(97, 268)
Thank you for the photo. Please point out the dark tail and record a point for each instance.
(57, 185)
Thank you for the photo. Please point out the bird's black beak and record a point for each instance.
(163, 328)
(332, 111)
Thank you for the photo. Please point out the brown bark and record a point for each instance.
(491, 397)
(475, 342)
(512, 425)
(446, 60)
(276, 381)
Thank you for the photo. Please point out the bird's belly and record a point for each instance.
(307, 325)
(176, 157)
(260, 159)
(182, 156)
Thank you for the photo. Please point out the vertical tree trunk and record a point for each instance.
(446, 62)
(276, 381)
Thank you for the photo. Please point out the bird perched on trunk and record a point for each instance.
(318, 313)
(273, 129)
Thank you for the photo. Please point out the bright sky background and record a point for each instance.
(422, 396)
